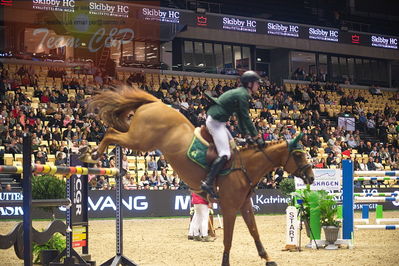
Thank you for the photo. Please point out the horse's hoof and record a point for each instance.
(271, 263)
(84, 150)
(95, 156)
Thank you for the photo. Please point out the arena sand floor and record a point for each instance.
(164, 242)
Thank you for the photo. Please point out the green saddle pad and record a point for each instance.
(197, 153)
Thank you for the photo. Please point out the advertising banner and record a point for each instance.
(325, 179)
(166, 203)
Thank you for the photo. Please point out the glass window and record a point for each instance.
(343, 69)
(246, 57)
(208, 56)
(375, 71)
(237, 56)
(152, 52)
(322, 68)
(188, 54)
(218, 57)
(383, 70)
(228, 56)
(116, 51)
(139, 51)
(166, 54)
(335, 68)
(367, 75)
(358, 69)
(302, 64)
(351, 69)
(199, 54)
(188, 46)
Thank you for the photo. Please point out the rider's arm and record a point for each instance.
(244, 121)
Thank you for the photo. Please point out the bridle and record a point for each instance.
(300, 171)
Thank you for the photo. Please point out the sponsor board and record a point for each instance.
(54, 5)
(324, 179)
(150, 203)
(239, 24)
(384, 42)
(108, 9)
(154, 14)
(282, 29)
(321, 34)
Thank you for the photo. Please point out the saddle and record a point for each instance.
(211, 154)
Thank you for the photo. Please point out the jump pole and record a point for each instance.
(119, 258)
(347, 202)
(377, 226)
(27, 199)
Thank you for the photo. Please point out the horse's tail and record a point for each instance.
(114, 106)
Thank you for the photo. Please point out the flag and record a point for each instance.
(347, 153)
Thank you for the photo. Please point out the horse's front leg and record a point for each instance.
(113, 136)
(229, 218)
(249, 218)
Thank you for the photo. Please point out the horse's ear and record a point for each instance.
(294, 143)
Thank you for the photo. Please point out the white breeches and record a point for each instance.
(199, 223)
(221, 136)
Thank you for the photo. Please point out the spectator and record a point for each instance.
(8, 188)
(371, 165)
(152, 165)
(60, 159)
(173, 83)
(162, 164)
(198, 230)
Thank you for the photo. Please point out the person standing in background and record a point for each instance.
(199, 224)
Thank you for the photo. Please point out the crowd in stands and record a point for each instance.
(60, 123)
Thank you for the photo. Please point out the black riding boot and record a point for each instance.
(216, 167)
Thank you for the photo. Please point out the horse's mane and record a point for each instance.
(268, 144)
(114, 104)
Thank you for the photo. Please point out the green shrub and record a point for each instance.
(48, 187)
(57, 241)
(287, 186)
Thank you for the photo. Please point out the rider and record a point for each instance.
(236, 102)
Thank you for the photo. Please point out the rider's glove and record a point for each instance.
(250, 140)
(260, 142)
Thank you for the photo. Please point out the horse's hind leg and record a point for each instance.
(249, 218)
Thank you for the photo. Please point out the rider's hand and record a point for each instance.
(250, 140)
(260, 142)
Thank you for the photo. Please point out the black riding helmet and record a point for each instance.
(249, 76)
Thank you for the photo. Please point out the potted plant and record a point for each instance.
(47, 252)
(303, 196)
(328, 217)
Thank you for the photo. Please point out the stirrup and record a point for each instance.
(209, 189)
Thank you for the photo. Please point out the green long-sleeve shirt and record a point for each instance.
(236, 102)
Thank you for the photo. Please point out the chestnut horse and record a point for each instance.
(154, 125)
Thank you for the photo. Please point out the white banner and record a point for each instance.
(324, 179)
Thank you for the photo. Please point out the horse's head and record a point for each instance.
(297, 163)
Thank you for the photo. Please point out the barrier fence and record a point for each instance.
(348, 178)
(77, 193)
